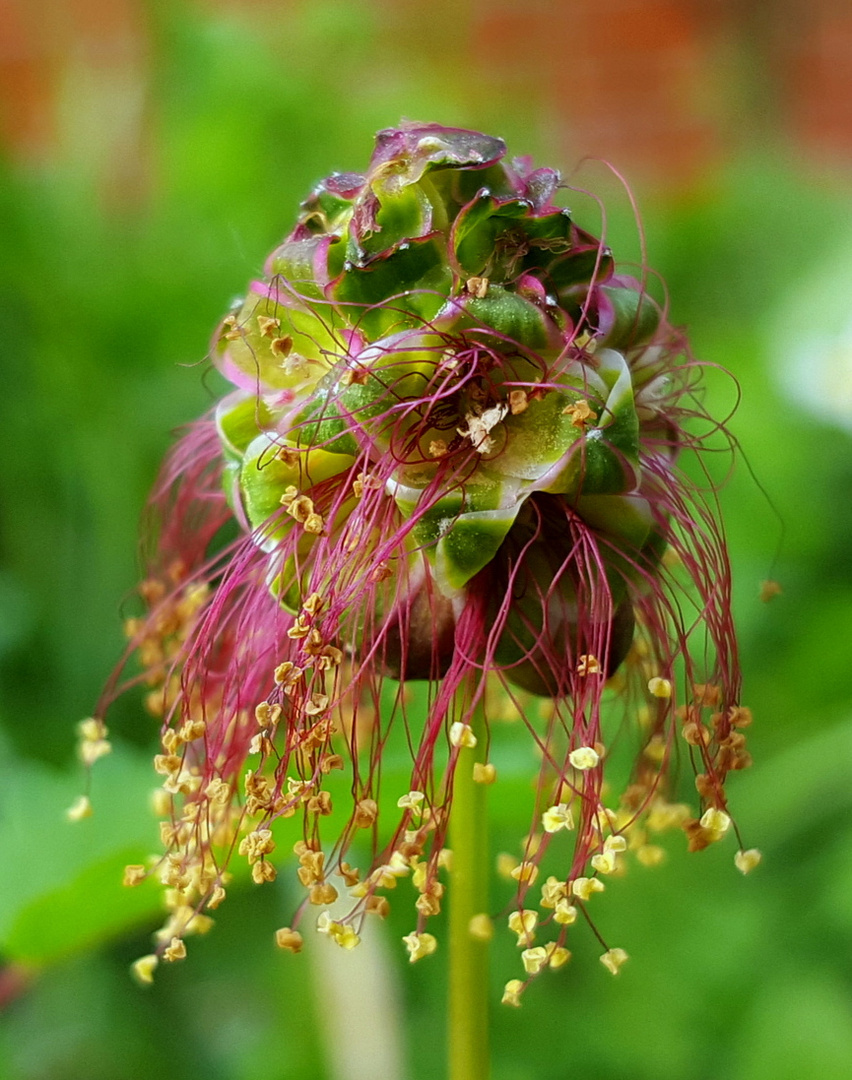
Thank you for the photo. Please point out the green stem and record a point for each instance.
(467, 1027)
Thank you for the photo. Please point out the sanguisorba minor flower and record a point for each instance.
(452, 454)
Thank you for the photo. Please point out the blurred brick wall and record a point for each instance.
(627, 80)
(658, 87)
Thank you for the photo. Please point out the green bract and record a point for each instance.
(442, 314)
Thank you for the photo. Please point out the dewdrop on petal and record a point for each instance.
(455, 453)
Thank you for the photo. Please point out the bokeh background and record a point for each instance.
(151, 154)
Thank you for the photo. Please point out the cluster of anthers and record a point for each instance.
(451, 452)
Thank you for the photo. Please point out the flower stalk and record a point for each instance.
(470, 926)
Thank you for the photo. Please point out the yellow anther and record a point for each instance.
(263, 872)
(523, 923)
(419, 945)
(290, 940)
(534, 959)
(357, 375)
(79, 809)
(144, 968)
(428, 905)
(605, 819)
(512, 993)
(256, 844)
(91, 751)
(481, 927)
(437, 448)
(462, 735)
(323, 894)
(298, 789)
(175, 951)
(739, 716)
(343, 934)
(366, 812)
(584, 757)
(267, 715)
(660, 688)
(411, 802)
(565, 914)
(167, 764)
(377, 905)
(299, 507)
(318, 703)
(484, 773)
(92, 729)
(526, 873)
(518, 401)
(580, 413)
(706, 694)
(478, 287)
(134, 875)
(746, 861)
(695, 734)
(656, 749)
(588, 665)
(664, 815)
(552, 891)
(557, 817)
(161, 802)
(613, 959)
(506, 864)
(604, 862)
(558, 957)
(216, 898)
(716, 822)
(330, 657)
(583, 887)
(650, 855)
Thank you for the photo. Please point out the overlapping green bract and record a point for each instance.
(441, 309)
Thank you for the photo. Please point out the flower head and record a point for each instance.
(452, 452)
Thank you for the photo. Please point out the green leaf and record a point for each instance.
(62, 889)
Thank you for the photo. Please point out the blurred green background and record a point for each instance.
(153, 154)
